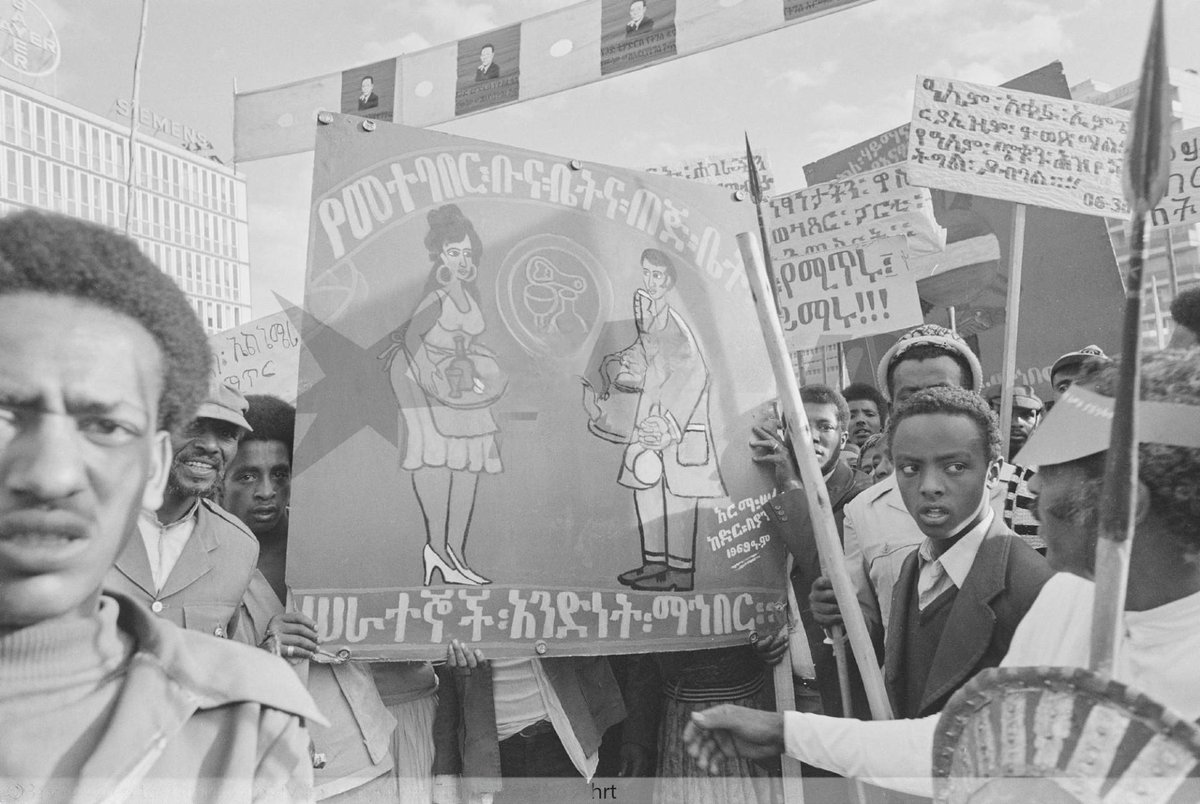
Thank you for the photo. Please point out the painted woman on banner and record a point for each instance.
(446, 381)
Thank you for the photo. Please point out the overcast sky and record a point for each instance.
(801, 92)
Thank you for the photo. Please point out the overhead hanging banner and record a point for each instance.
(259, 357)
(531, 389)
(558, 50)
(1072, 290)
(834, 296)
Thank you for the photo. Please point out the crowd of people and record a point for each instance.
(144, 514)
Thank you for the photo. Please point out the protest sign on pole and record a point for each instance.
(1017, 146)
(726, 170)
(1072, 288)
(529, 431)
(259, 357)
(853, 211)
(1028, 148)
(1180, 205)
(824, 528)
(834, 296)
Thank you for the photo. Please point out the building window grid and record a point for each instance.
(99, 198)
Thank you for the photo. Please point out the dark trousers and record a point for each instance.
(529, 759)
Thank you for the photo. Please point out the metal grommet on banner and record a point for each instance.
(754, 637)
(368, 125)
(739, 195)
(324, 118)
(343, 655)
(576, 164)
(540, 647)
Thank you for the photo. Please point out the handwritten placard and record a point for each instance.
(848, 293)
(1018, 146)
(1180, 204)
(885, 149)
(728, 170)
(259, 357)
(853, 211)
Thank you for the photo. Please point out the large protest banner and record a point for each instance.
(536, 378)
(1030, 149)
(558, 50)
(833, 296)
(259, 357)
(1071, 288)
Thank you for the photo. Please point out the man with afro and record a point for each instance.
(102, 360)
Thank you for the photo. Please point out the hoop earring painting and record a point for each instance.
(444, 278)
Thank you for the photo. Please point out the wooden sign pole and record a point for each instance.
(1012, 317)
(820, 510)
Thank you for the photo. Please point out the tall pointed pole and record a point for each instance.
(756, 195)
(1147, 158)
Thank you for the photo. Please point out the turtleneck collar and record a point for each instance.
(60, 655)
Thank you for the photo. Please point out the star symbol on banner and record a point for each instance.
(351, 372)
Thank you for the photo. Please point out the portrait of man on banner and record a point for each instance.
(369, 90)
(488, 70)
(634, 33)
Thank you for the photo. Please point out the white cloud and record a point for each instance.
(378, 51)
(459, 20)
(1040, 34)
(975, 72)
(913, 11)
(797, 78)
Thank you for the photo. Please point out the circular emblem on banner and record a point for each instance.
(28, 43)
(551, 293)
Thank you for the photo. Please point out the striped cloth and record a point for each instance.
(1018, 504)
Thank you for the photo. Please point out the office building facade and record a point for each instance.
(1182, 246)
(188, 212)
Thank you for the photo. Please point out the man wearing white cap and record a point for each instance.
(194, 559)
(1071, 365)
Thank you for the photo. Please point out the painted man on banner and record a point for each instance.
(655, 401)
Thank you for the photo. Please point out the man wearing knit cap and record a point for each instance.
(1027, 408)
(193, 559)
(101, 360)
(879, 532)
(1071, 365)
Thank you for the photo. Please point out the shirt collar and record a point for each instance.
(152, 516)
(958, 559)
